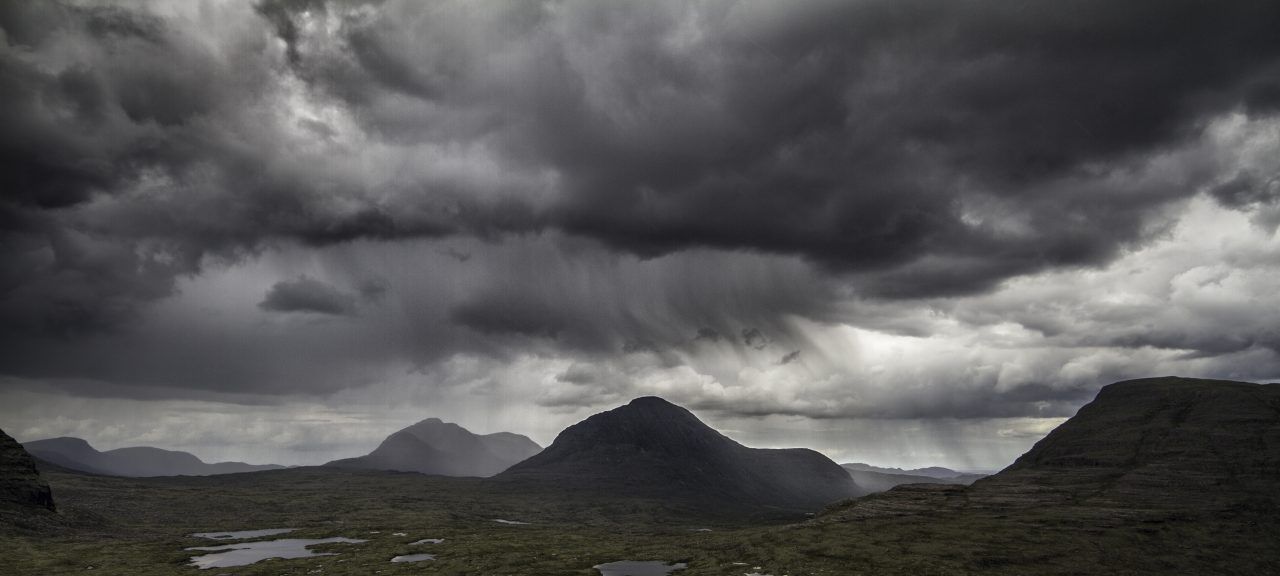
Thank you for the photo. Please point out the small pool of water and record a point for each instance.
(243, 534)
(244, 553)
(639, 568)
(413, 558)
(428, 541)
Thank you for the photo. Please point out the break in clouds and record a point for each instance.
(931, 225)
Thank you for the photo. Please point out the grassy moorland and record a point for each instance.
(139, 527)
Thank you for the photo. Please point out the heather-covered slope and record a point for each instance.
(1155, 443)
(1151, 447)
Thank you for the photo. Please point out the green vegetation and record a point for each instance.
(139, 527)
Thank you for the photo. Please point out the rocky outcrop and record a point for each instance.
(21, 486)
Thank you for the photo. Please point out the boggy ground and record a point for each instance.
(139, 527)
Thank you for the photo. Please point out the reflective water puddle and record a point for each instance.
(638, 568)
(244, 553)
(243, 534)
(413, 558)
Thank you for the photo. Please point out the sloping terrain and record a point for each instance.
(1152, 448)
(1155, 443)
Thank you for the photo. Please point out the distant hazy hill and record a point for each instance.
(653, 447)
(931, 472)
(872, 479)
(1156, 442)
(21, 486)
(435, 447)
(76, 454)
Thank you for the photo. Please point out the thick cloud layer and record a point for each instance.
(823, 210)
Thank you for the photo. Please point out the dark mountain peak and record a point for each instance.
(433, 421)
(653, 403)
(651, 445)
(649, 423)
(657, 408)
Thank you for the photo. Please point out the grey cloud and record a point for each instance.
(754, 338)
(708, 334)
(857, 153)
(305, 294)
(862, 137)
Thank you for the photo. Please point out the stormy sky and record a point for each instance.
(905, 232)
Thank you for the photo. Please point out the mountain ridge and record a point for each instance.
(133, 461)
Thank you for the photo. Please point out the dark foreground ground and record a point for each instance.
(139, 527)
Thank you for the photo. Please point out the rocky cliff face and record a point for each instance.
(21, 486)
(656, 448)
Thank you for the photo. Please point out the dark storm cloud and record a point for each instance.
(863, 136)
(308, 295)
(732, 168)
(1247, 189)
(854, 134)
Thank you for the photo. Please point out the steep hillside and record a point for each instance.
(1156, 443)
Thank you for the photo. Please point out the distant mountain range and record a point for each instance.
(433, 446)
(931, 472)
(877, 479)
(141, 461)
(21, 487)
(653, 447)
